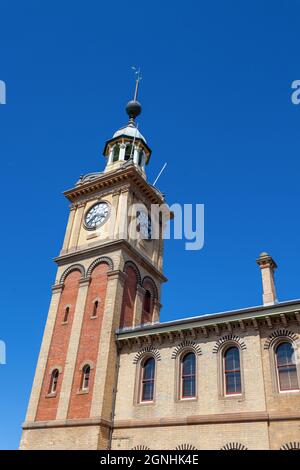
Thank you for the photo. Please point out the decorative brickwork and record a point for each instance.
(228, 338)
(291, 446)
(142, 352)
(280, 334)
(234, 446)
(187, 344)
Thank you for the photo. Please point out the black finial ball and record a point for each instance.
(133, 109)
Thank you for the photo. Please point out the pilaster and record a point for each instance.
(43, 356)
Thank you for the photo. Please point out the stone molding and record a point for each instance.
(242, 417)
(66, 423)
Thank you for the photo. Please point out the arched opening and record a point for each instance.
(286, 367)
(86, 372)
(128, 151)
(66, 315)
(53, 381)
(188, 375)
(148, 377)
(95, 309)
(116, 153)
(232, 371)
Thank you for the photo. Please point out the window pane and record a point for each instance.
(284, 354)
(232, 359)
(147, 394)
(188, 364)
(149, 367)
(233, 382)
(188, 387)
(288, 378)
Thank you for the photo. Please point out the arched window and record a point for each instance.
(286, 367)
(53, 381)
(232, 371)
(66, 315)
(128, 151)
(86, 372)
(188, 375)
(147, 385)
(116, 153)
(95, 309)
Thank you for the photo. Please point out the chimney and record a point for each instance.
(267, 266)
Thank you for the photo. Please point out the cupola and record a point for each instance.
(128, 145)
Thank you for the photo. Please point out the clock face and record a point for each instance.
(96, 215)
(144, 224)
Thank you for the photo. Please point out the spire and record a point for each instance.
(133, 107)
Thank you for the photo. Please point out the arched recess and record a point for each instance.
(102, 259)
(90, 338)
(150, 295)
(148, 281)
(133, 279)
(60, 341)
(74, 267)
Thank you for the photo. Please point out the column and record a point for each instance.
(43, 356)
(71, 357)
(156, 310)
(138, 308)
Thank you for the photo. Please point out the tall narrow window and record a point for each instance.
(148, 372)
(141, 154)
(128, 151)
(232, 371)
(66, 315)
(188, 375)
(286, 367)
(53, 381)
(95, 309)
(86, 372)
(116, 153)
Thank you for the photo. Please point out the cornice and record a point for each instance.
(114, 178)
(104, 248)
(211, 325)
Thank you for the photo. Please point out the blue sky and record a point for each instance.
(216, 107)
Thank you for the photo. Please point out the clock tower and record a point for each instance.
(109, 277)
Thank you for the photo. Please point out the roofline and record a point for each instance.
(212, 319)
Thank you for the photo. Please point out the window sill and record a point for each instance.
(94, 318)
(145, 403)
(64, 322)
(51, 395)
(82, 392)
(182, 400)
(285, 392)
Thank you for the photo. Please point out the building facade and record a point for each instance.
(110, 375)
